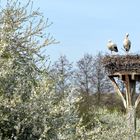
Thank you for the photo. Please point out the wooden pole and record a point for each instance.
(129, 103)
(118, 90)
(128, 92)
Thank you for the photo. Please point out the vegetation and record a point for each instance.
(41, 101)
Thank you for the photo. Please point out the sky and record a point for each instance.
(85, 26)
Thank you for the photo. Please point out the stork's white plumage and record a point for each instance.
(112, 46)
(127, 43)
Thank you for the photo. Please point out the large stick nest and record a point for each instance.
(121, 63)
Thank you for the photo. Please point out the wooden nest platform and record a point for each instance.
(121, 64)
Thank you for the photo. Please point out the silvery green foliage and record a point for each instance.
(102, 124)
(63, 117)
(22, 38)
(108, 126)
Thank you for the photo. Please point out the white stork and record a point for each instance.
(112, 46)
(127, 43)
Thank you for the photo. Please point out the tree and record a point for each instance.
(22, 42)
(84, 74)
(101, 82)
(22, 39)
(61, 73)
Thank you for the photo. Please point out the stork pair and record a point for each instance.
(126, 44)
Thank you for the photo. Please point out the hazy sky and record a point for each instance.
(85, 26)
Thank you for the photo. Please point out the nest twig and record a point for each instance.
(121, 63)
